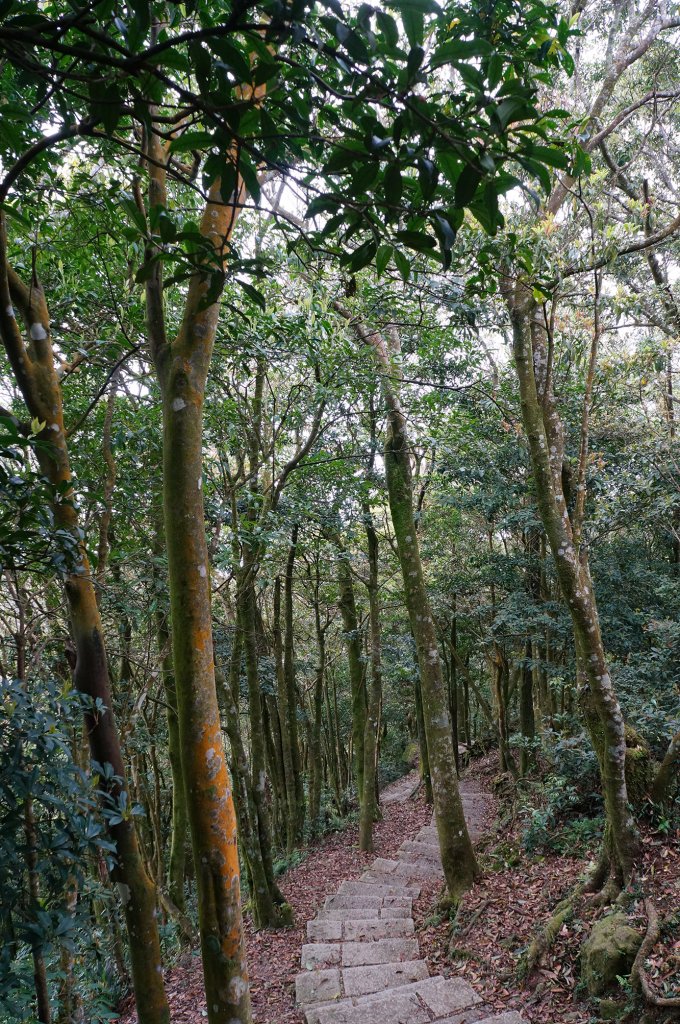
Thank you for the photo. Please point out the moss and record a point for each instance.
(608, 952)
(640, 768)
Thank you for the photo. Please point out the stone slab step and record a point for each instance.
(417, 869)
(422, 848)
(384, 865)
(417, 1003)
(317, 955)
(509, 1017)
(352, 902)
(364, 913)
(382, 951)
(368, 888)
(366, 980)
(358, 931)
(322, 955)
(324, 930)
(331, 984)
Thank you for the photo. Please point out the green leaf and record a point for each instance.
(550, 156)
(467, 183)
(382, 258)
(393, 184)
(192, 140)
(538, 171)
(232, 56)
(495, 70)
(418, 240)
(363, 255)
(253, 293)
(460, 49)
(403, 264)
(388, 29)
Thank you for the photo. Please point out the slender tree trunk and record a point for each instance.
(458, 859)
(453, 686)
(315, 751)
(370, 804)
(425, 773)
(291, 690)
(179, 825)
(265, 894)
(598, 698)
(668, 771)
(357, 679)
(42, 993)
(527, 725)
(285, 718)
(36, 375)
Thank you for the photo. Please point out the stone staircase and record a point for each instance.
(362, 962)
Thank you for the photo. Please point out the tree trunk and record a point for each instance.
(425, 773)
(285, 718)
(369, 803)
(357, 679)
(291, 691)
(598, 699)
(527, 725)
(667, 771)
(315, 752)
(179, 825)
(182, 364)
(458, 859)
(37, 378)
(265, 894)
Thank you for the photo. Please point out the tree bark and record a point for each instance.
(291, 690)
(598, 699)
(458, 859)
(357, 679)
(182, 366)
(35, 372)
(369, 803)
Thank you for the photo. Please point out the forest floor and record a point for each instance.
(497, 920)
(517, 893)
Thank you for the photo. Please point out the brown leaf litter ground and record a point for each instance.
(274, 957)
(516, 893)
(496, 922)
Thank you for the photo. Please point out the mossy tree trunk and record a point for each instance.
(36, 375)
(315, 751)
(425, 774)
(527, 723)
(182, 364)
(545, 434)
(299, 808)
(357, 677)
(369, 803)
(458, 859)
(285, 719)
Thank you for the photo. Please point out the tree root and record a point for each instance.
(186, 928)
(458, 934)
(542, 942)
(638, 975)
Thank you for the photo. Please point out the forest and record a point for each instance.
(339, 511)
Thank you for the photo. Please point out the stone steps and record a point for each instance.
(362, 962)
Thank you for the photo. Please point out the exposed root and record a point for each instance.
(186, 928)
(543, 941)
(638, 975)
(460, 933)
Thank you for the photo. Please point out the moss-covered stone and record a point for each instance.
(608, 952)
(611, 1009)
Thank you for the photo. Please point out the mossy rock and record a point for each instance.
(611, 1009)
(608, 952)
(640, 768)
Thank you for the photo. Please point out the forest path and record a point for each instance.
(362, 962)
